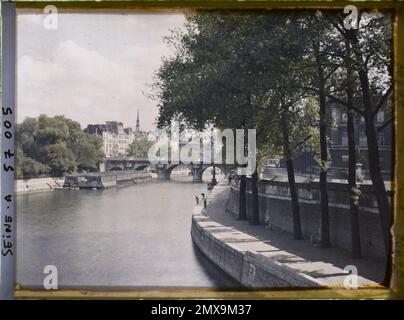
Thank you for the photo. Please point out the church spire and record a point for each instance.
(137, 122)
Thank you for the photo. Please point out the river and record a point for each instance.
(133, 236)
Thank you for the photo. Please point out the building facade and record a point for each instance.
(338, 145)
(116, 138)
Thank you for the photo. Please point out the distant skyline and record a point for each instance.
(94, 68)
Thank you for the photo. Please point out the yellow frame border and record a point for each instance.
(396, 289)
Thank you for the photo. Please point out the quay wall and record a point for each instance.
(47, 184)
(276, 212)
(257, 262)
(225, 257)
(250, 269)
(37, 184)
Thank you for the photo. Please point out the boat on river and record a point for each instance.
(104, 180)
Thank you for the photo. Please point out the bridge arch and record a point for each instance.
(164, 171)
(199, 171)
(179, 170)
(222, 168)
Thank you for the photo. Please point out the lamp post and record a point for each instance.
(214, 181)
(311, 165)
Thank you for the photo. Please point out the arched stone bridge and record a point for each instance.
(163, 170)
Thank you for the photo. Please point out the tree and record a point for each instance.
(27, 168)
(59, 158)
(32, 168)
(288, 114)
(358, 60)
(226, 70)
(352, 155)
(51, 130)
(320, 67)
(88, 152)
(370, 111)
(139, 148)
(235, 70)
(293, 129)
(204, 84)
(55, 146)
(370, 45)
(347, 86)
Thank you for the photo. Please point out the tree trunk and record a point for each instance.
(297, 226)
(324, 218)
(353, 197)
(352, 183)
(374, 161)
(242, 205)
(377, 180)
(372, 143)
(254, 217)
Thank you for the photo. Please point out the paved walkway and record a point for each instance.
(325, 265)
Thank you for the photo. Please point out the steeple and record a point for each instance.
(137, 122)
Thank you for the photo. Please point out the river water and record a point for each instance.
(133, 236)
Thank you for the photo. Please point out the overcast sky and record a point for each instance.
(93, 68)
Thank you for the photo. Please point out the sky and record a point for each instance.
(94, 67)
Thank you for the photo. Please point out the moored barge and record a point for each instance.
(104, 180)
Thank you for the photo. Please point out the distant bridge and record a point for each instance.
(163, 170)
(126, 163)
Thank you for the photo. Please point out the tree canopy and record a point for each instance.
(276, 73)
(55, 146)
(139, 148)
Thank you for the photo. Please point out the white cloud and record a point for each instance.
(80, 75)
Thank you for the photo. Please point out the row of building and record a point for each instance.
(115, 137)
(338, 145)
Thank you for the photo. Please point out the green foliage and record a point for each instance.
(32, 168)
(275, 73)
(27, 167)
(252, 70)
(238, 71)
(59, 158)
(55, 146)
(88, 151)
(140, 148)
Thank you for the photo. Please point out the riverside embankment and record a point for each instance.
(256, 256)
(83, 181)
(37, 184)
(276, 212)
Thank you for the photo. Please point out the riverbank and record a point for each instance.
(275, 211)
(37, 185)
(50, 184)
(258, 257)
